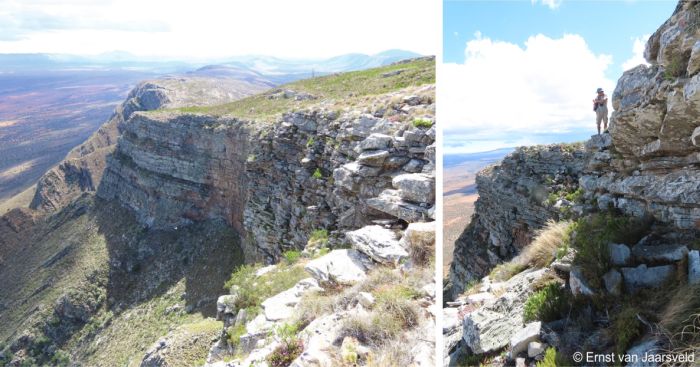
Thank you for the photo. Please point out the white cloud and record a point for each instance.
(215, 28)
(503, 89)
(638, 44)
(552, 4)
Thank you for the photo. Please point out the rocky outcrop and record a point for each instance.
(654, 164)
(82, 169)
(338, 273)
(278, 182)
(514, 201)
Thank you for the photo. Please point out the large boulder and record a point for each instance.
(659, 253)
(490, 327)
(647, 277)
(390, 201)
(281, 306)
(378, 243)
(415, 187)
(619, 254)
(520, 340)
(345, 266)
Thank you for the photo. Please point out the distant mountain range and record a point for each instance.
(278, 70)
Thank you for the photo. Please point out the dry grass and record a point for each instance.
(538, 254)
(393, 353)
(542, 251)
(680, 320)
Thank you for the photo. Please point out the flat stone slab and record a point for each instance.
(647, 277)
(379, 243)
(345, 266)
(660, 253)
(415, 187)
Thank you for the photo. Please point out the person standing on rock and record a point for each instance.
(600, 106)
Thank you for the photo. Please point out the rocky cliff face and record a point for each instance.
(278, 182)
(629, 260)
(650, 164)
(180, 194)
(516, 198)
(83, 167)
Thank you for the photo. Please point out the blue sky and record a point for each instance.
(592, 42)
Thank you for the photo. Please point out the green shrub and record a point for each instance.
(592, 236)
(576, 196)
(310, 142)
(252, 290)
(551, 359)
(420, 122)
(317, 174)
(289, 349)
(318, 238)
(60, 358)
(547, 304)
(675, 68)
(291, 256)
(626, 328)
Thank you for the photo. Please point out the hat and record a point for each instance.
(599, 90)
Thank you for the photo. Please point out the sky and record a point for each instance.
(525, 72)
(205, 29)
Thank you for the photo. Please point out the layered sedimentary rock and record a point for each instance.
(512, 205)
(277, 182)
(647, 166)
(83, 167)
(176, 169)
(651, 164)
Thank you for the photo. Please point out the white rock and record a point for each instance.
(415, 187)
(264, 270)
(480, 297)
(520, 341)
(375, 141)
(378, 243)
(345, 266)
(520, 362)
(366, 299)
(429, 290)
(490, 327)
(534, 349)
(281, 306)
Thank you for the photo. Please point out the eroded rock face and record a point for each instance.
(491, 327)
(276, 182)
(513, 204)
(654, 162)
(173, 170)
(83, 167)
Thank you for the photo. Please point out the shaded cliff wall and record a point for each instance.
(513, 203)
(277, 182)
